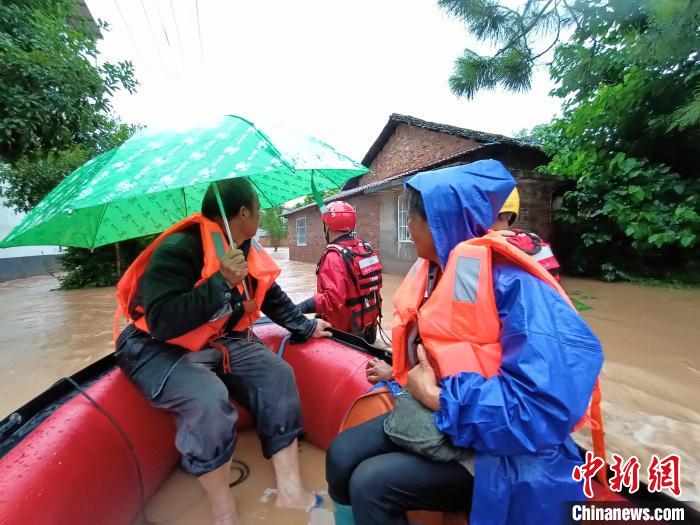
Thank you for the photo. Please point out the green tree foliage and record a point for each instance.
(52, 95)
(55, 114)
(523, 36)
(98, 268)
(275, 225)
(629, 134)
(309, 199)
(25, 183)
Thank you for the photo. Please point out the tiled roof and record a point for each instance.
(486, 139)
(367, 188)
(395, 119)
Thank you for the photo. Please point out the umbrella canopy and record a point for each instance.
(159, 177)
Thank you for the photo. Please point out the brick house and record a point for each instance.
(406, 146)
(266, 241)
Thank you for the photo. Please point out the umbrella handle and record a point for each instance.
(228, 231)
(245, 290)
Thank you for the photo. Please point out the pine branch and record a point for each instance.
(486, 19)
(525, 31)
(687, 115)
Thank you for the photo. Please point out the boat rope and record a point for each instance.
(382, 334)
(243, 472)
(124, 435)
(238, 466)
(384, 337)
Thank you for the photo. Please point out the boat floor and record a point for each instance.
(180, 500)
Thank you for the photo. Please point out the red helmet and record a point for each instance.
(339, 216)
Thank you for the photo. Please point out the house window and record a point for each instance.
(403, 220)
(301, 231)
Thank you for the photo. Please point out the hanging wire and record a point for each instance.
(177, 29)
(199, 32)
(384, 336)
(153, 35)
(128, 30)
(167, 41)
(124, 436)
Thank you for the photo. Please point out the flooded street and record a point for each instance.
(650, 335)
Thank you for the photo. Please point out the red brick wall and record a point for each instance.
(367, 228)
(536, 192)
(315, 243)
(368, 218)
(411, 147)
(536, 206)
(266, 241)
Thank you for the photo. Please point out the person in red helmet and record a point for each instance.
(349, 277)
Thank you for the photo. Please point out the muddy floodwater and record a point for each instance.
(650, 382)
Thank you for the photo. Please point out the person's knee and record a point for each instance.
(283, 372)
(367, 483)
(275, 369)
(339, 464)
(285, 387)
(212, 407)
(339, 454)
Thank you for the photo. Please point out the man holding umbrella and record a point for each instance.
(191, 301)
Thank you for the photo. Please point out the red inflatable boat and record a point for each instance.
(91, 450)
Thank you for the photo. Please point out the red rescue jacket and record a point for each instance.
(349, 277)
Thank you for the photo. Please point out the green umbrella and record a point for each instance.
(159, 177)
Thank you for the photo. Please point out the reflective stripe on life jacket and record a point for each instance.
(458, 324)
(260, 266)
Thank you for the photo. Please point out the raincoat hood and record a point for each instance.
(461, 202)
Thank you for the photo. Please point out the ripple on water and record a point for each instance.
(650, 380)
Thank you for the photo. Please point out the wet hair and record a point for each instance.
(235, 193)
(415, 202)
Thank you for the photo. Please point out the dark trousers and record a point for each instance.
(196, 391)
(381, 481)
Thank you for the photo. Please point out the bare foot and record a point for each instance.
(230, 518)
(227, 516)
(291, 493)
(303, 499)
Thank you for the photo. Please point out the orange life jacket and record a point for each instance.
(458, 323)
(260, 266)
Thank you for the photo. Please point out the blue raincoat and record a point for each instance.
(519, 422)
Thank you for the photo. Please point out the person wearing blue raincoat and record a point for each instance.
(517, 423)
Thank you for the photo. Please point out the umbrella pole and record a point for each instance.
(224, 217)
